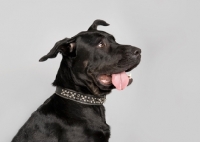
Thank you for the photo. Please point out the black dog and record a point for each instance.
(93, 64)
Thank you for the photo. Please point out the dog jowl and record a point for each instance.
(93, 64)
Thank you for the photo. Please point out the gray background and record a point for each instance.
(162, 105)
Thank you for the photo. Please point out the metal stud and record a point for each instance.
(82, 98)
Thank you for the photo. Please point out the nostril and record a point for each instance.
(137, 51)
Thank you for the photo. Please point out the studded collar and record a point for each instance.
(78, 97)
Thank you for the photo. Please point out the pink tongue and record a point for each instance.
(120, 80)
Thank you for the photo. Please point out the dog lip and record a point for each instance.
(132, 67)
(105, 79)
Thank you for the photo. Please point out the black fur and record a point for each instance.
(86, 56)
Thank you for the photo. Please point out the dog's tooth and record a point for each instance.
(129, 75)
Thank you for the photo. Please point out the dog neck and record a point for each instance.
(79, 97)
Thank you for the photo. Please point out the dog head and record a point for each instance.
(93, 62)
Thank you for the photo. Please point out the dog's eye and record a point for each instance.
(101, 44)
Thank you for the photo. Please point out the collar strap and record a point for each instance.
(81, 98)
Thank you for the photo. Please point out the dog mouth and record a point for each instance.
(119, 80)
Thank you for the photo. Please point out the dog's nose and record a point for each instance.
(137, 51)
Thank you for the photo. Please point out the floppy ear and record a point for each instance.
(97, 23)
(64, 46)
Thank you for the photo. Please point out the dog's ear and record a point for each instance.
(96, 23)
(65, 46)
